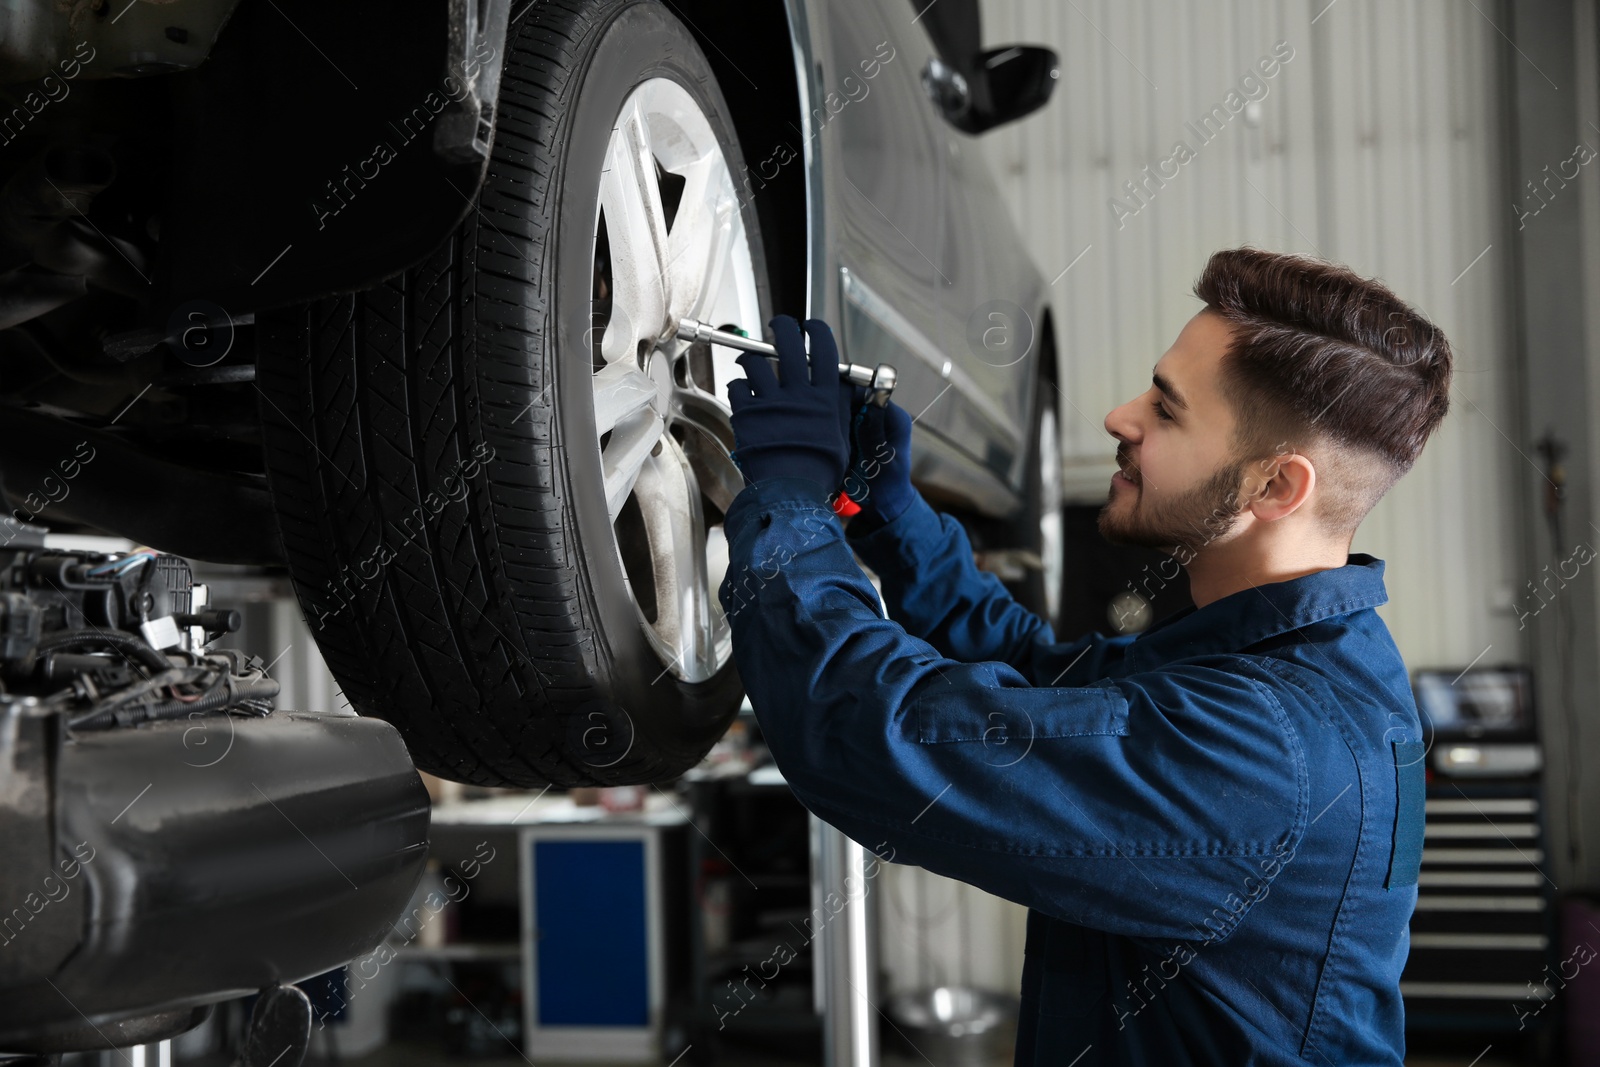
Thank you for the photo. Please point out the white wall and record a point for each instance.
(1377, 144)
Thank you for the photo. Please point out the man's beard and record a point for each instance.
(1182, 526)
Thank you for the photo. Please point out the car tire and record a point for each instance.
(1047, 513)
(450, 452)
(1028, 553)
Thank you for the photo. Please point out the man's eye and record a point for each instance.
(1161, 411)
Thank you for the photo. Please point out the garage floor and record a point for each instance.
(428, 1056)
(418, 1055)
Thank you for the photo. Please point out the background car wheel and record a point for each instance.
(1039, 587)
(1028, 552)
(1051, 520)
(499, 478)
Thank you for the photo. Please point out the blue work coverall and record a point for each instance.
(1216, 827)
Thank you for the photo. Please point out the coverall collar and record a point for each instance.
(1251, 616)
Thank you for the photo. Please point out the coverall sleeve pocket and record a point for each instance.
(1017, 715)
(1405, 856)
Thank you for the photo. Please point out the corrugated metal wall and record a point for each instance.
(1377, 144)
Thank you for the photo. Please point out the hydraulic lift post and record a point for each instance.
(847, 966)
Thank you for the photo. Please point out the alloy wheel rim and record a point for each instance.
(670, 243)
(1052, 532)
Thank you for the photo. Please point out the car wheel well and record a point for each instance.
(768, 127)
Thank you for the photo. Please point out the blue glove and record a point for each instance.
(880, 473)
(794, 428)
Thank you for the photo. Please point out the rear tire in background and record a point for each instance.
(1028, 551)
(1049, 513)
(498, 477)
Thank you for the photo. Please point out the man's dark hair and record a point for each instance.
(1332, 364)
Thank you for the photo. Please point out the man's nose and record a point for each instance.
(1121, 424)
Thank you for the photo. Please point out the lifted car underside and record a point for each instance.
(166, 171)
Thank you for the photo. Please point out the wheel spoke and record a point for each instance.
(637, 231)
(626, 454)
(688, 622)
(621, 391)
(702, 236)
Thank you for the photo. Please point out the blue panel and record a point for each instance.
(589, 914)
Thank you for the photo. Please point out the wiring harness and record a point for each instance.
(112, 641)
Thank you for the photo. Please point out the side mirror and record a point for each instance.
(1021, 79)
(1003, 84)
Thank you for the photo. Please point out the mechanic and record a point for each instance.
(1216, 826)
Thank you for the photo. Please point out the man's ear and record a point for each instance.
(1288, 484)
